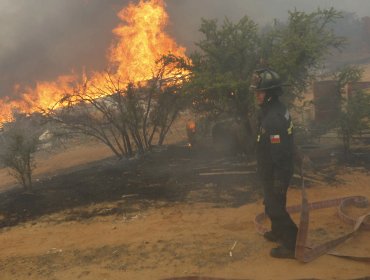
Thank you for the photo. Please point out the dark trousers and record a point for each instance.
(275, 207)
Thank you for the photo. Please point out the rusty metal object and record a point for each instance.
(304, 253)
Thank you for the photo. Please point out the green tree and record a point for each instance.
(229, 53)
(297, 49)
(221, 68)
(355, 106)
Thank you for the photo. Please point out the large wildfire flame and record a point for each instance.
(141, 42)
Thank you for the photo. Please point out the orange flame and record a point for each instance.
(191, 126)
(141, 42)
(138, 49)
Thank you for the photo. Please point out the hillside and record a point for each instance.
(174, 212)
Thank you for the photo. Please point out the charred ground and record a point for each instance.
(169, 174)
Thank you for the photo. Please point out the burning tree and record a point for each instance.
(19, 142)
(127, 118)
(132, 106)
(140, 40)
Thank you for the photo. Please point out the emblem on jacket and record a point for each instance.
(275, 139)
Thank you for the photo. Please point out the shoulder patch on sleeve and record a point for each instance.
(275, 139)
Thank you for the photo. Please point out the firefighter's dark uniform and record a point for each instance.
(275, 168)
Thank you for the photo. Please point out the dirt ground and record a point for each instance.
(174, 212)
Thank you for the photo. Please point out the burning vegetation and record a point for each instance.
(140, 42)
(149, 80)
(130, 108)
(127, 107)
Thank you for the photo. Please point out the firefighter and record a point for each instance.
(275, 159)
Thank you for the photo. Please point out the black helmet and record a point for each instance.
(265, 79)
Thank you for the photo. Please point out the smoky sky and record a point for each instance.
(42, 39)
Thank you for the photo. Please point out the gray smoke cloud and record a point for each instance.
(40, 40)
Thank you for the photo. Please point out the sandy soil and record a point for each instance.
(189, 231)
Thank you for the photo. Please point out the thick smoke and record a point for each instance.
(43, 39)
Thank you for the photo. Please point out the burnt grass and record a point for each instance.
(163, 176)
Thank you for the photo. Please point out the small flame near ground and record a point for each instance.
(140, 41)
